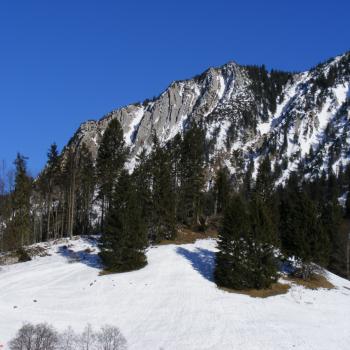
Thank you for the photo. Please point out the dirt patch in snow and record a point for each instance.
(276, 289)
(187, 236)
(315, 282)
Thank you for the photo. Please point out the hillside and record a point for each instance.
(171, 304)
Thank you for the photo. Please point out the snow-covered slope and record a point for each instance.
(170, 304)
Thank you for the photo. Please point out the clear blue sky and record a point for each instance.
(63, 62)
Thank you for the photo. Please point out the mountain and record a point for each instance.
(172, 303)
(299, 119)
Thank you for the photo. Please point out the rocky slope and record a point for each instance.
(301, 120)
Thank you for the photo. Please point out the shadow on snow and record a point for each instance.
(87, 256)
(202, 260)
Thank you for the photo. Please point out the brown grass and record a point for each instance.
(276, 289)
(315, 282)
(186, 236)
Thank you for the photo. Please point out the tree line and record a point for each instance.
(171, 186)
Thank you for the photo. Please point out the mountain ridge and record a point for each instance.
(246, 111)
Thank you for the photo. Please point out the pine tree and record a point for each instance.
(246, 252)
(111, 157)
(331, 218)
(85, 190)
(163, 197)
(264, 240)
(301, 231)
(48, 181)
(232, 260)
(20, 225)
(124, 240)
(222, 190)
(192, 176)
(264, 180)
(142, 177)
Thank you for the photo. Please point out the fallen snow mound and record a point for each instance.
(172, 303)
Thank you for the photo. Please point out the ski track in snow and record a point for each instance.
(171, 304)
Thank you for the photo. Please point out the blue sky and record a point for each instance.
(63, 62)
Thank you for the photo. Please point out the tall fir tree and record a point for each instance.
(222, 190)
(85, 191)
(163, 196)
(301, 231)
(20, 225)
(124, 239)
(111, 157)
(246, 252)
(192, 175)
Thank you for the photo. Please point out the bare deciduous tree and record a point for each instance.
(110, 338)
(35, 337)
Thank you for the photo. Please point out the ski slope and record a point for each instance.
(170, 304)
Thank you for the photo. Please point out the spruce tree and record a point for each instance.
(192, 176)
(111, 157)
(163, 196)
(264, 180)
(85, 190)
(264, 240)
(124, 240)
(301, 231)
(233, 268)
(246, 247)
(20, 225)
(222, 190)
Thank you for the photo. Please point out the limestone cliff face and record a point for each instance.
(246, 115)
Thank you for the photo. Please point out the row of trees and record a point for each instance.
(169, 186)
(43, 336)
(266, 225)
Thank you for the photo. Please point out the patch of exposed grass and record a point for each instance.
(186, 236)
(317, 281)
(276, 289)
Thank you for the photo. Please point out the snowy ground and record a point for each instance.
(170, 304)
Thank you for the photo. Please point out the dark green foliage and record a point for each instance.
(192, 177)
(85, 191)
(163, 195)
(264, 181)
(21, 221)
(331, 218)
(301, 231)
(111, 157)
(222, 190)
(267, 86)
(245, 258)
(124, 240)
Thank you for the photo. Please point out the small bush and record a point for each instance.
(23, 255)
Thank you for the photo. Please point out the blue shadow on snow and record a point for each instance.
(202, 260)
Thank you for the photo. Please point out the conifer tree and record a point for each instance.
(246, 247)
(233, 268)
(48, 182)
(20, 225)
(111, 157)
(124, 240)
(142, 177)
(301, 231)
(222, 190)
(192, 174)
(163, 198)
(264, 180)
(85, 190)
(264, 240)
